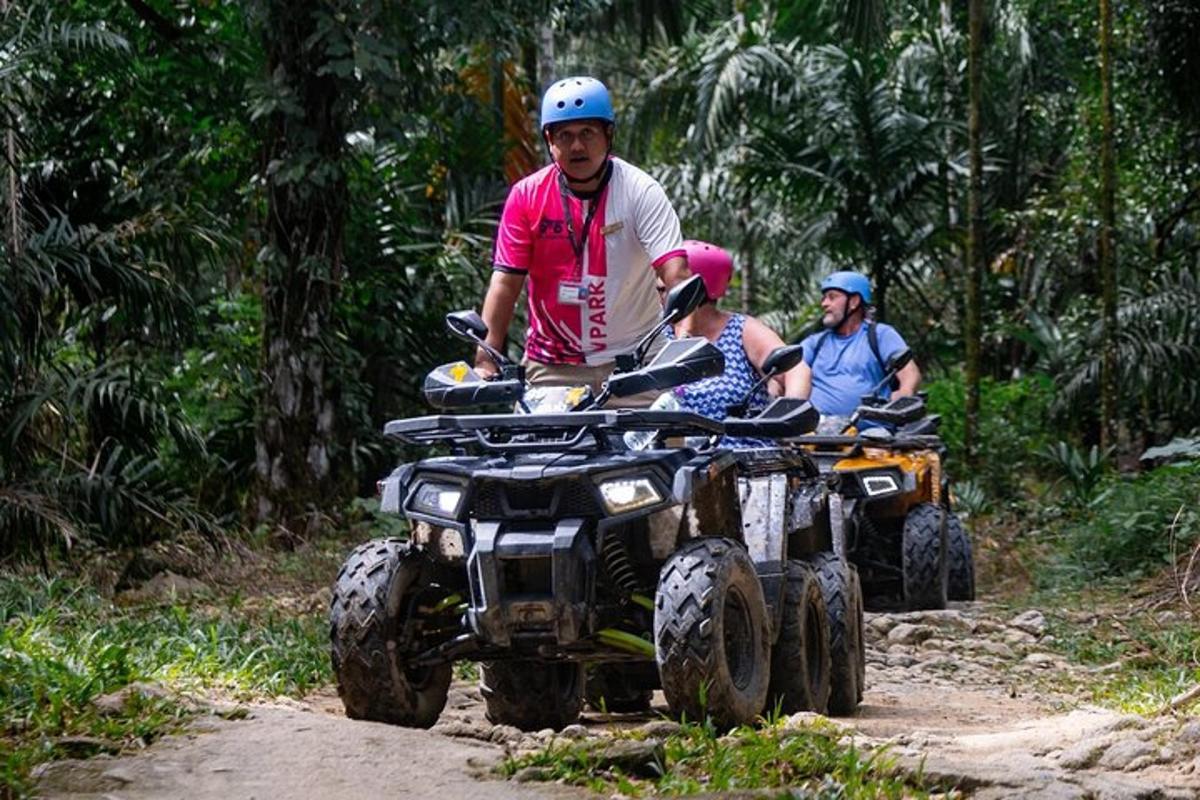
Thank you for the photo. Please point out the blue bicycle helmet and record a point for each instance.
(574, 99)
(850, 283)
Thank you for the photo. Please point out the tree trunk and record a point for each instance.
(14, 241)
(306, 209)
(973, 329)
(545, 62)
(746, 262)
(1108, 262)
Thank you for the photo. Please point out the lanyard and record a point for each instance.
(579, 246)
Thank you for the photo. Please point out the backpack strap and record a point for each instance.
(817, 347)
(872, 340)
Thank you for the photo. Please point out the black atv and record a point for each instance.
(545, 545)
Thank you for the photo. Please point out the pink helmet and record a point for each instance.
(713, 264)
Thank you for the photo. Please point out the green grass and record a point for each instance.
(812, 760)
(1135, 663)
(62, 645)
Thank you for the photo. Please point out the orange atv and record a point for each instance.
(891, 503)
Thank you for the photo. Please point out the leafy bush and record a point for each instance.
(1081, 470)
(1013, 428)
(1134, 524)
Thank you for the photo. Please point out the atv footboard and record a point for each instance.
(531, 582)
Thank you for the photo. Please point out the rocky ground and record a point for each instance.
(971, 697)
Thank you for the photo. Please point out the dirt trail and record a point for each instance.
(962, 694)
(297, 753)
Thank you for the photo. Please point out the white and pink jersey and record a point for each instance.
(593, 313)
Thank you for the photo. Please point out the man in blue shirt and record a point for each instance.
(846, 360)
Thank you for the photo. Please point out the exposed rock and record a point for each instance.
(1190, 733)
(502, 734)
(1015, 636)
(907, 633)
(166, 556)
(801, 720)
(528, 774)
(463, 730)
(1141, 763)
(121, 776)
(115, 703)
(660, 728)
(1126, 722)
(574, 732)
(1042, 660)
(998, 649)
(1032, 622)
(948, 619)
(633, 757)
(900, 660)
(163, 587)
(1125, 752)
(1082, 754)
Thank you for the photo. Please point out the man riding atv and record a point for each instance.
(588, 234)
(843, 362)
(892, 507)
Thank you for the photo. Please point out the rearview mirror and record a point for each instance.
(466, 325)
(782, 359)
(683, 299)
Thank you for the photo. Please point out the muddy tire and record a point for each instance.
(711, 634)
(800, 659)
(532, 695)
(961, 581)
(924, 568)
(860, 627)
(609, 688)
(370, 600)
(842, 593)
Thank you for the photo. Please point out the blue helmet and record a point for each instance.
(850, 283)
(574, 99)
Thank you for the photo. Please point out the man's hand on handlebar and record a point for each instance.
(484, 366)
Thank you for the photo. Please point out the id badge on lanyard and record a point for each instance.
(573, 291)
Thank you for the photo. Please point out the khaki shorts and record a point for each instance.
(590, 375)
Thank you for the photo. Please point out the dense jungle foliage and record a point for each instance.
(231, 230)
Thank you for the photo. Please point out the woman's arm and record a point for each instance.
(758, 341)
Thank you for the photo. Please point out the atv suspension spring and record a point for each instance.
(617, 564)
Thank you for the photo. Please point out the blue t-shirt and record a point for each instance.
(846, 369)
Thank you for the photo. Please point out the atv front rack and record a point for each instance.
(516, 432)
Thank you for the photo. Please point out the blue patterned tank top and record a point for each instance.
(712, 396)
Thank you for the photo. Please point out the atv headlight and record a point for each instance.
(628, 494)
(437, 499)
(879, 484)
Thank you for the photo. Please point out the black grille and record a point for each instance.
(533, 500)
(576, 499)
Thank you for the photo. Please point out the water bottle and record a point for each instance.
(642, 440)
